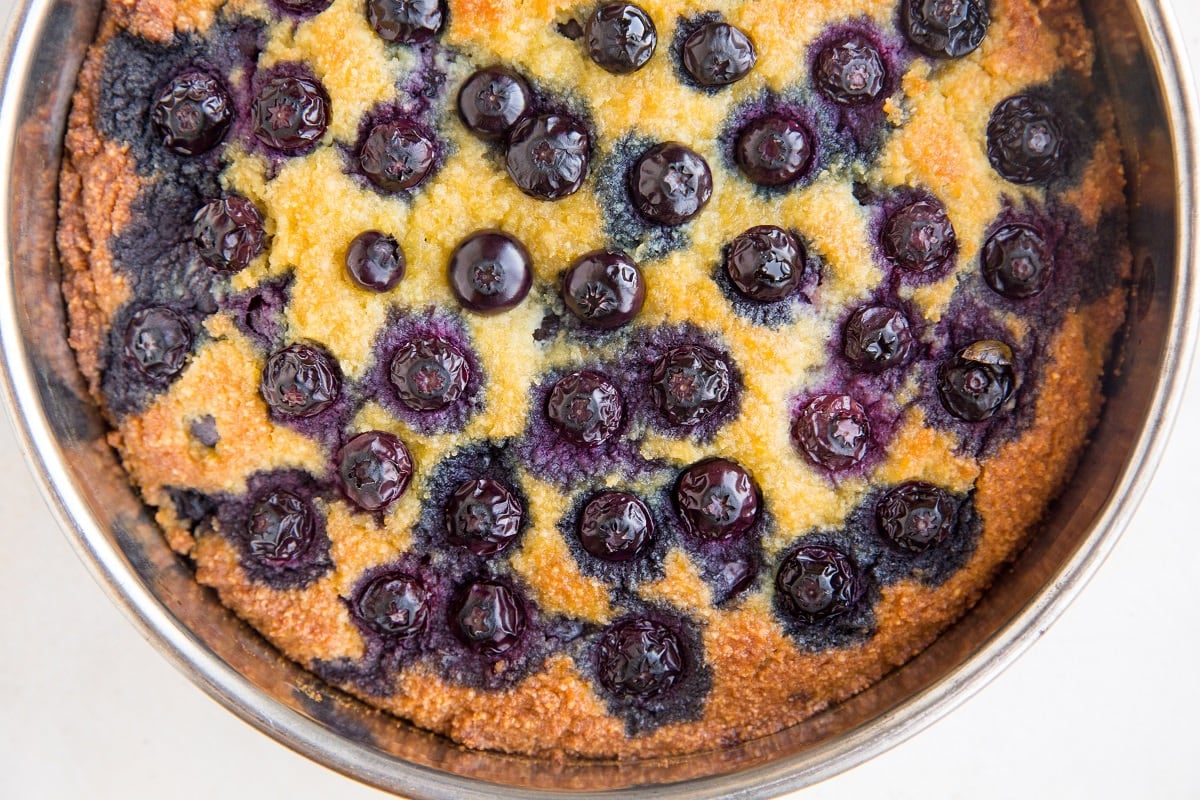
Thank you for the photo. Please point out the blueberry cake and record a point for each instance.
(599, 379)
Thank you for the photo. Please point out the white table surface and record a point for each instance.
(1105, 706)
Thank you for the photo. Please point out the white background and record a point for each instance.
(1105, 706)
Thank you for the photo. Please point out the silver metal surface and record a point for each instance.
(63, 439)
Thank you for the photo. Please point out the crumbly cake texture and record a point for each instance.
(202, 445)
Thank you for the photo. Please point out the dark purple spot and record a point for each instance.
(547, 156)
(397, 155)
(816, 583)
(604, 289)
(492, 101)
(621, 37)
(689, 383)
(192, 114)
(977, 381)
(405, 21)
(716, 499)
(1025, 141)
(290, 113)
(374, 470)
(429, 374)
(615, 526)
(765, 263)
(639, 658)
(483, 516)
(394, 605)
(204, 430)
(916, 516)
(833, 430)
(850, 71)
(918, 237)
(945, 28)
(877, 338)
(489, 617)
(490, 272)
(670, 184)
(585, 408)
(718, 54)
(228, 233)
(158, 342)
(773, 150)
(300, 381)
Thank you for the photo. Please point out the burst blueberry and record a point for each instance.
(290, 114)
(397, 155)
(192, 114)
(773, 150)
(406, 21)
(615, 526)
(716, 499)
(670, 184)
(1025, 141)
(483, 516)
(916, 515)
(585, 408)
(639, 659)
(765, 263)
(876, 338)
(833, 430)
(547, 156)
(945, 28)
(394, 605)
(977, 381)
(281, 528)
(300, 381)
(489, 617)
(718, 54)
(1017, 261)
(689, 383)
(492, 101)
(375, 261)
(620, 37)
(158, 342)
(850, 71)
(490, 272)
(228, 233)
(429, 373)
(918, 237)
(816, 583)
(374, 470)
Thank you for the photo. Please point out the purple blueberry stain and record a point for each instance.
(260, 312)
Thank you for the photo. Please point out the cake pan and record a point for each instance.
(1141, 58)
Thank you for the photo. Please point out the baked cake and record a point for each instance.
(611, 380)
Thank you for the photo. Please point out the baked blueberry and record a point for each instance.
(1025, 141)
(717, 499)
(406, 21)
(773, 150)
(604, 288)
(670, 184)
(639, 659)
(192, 114)
(397, 155)
(977, 381)
(620, 37)
(916, 516)
(300, 381)
(585, 408)
(489, 617)
(850, 70)
(483, 516)
(718, 54)
(492, 101)
(833, 430)
(765, 263)
(945, 28)
(877, 338)
(918, 237)
(429, 374)
(158, 342)
(1017, 262)
(816, 583)
(395, 605)
(615, 526)
(547, 156)
(281, 528)
(290, 113)
(374, 470)
(304, 6)
(689, 383)
(375, 261)
(228, 233)
(490, 272)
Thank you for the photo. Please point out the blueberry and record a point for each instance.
(547, 156)
(621, 37)
(850, 71)
(397, 155)
(877, 338)
(615, 526)
(773, 150)
(717, 499)
(483, 516)
(670, 184)
(1025, 141)
(604, 288)
(395, 605)
(192, 114)
(228, 233)
(918, 237)
(429, 374)
(375, 261)
(300, 381)
(374, 470)
(406, 21)
(158, 342)
(305, 6)
(280, 529)
(945, 28)
(916, 516)
(639, 659)
(585, 408)
(977, 381)
(816, 583)
(689, 383)
(290, 114)
(492, 101)
(490, 272)
(489, 617)
(765, 263)
(833, 430)
(1017, 262)
(718, 54)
